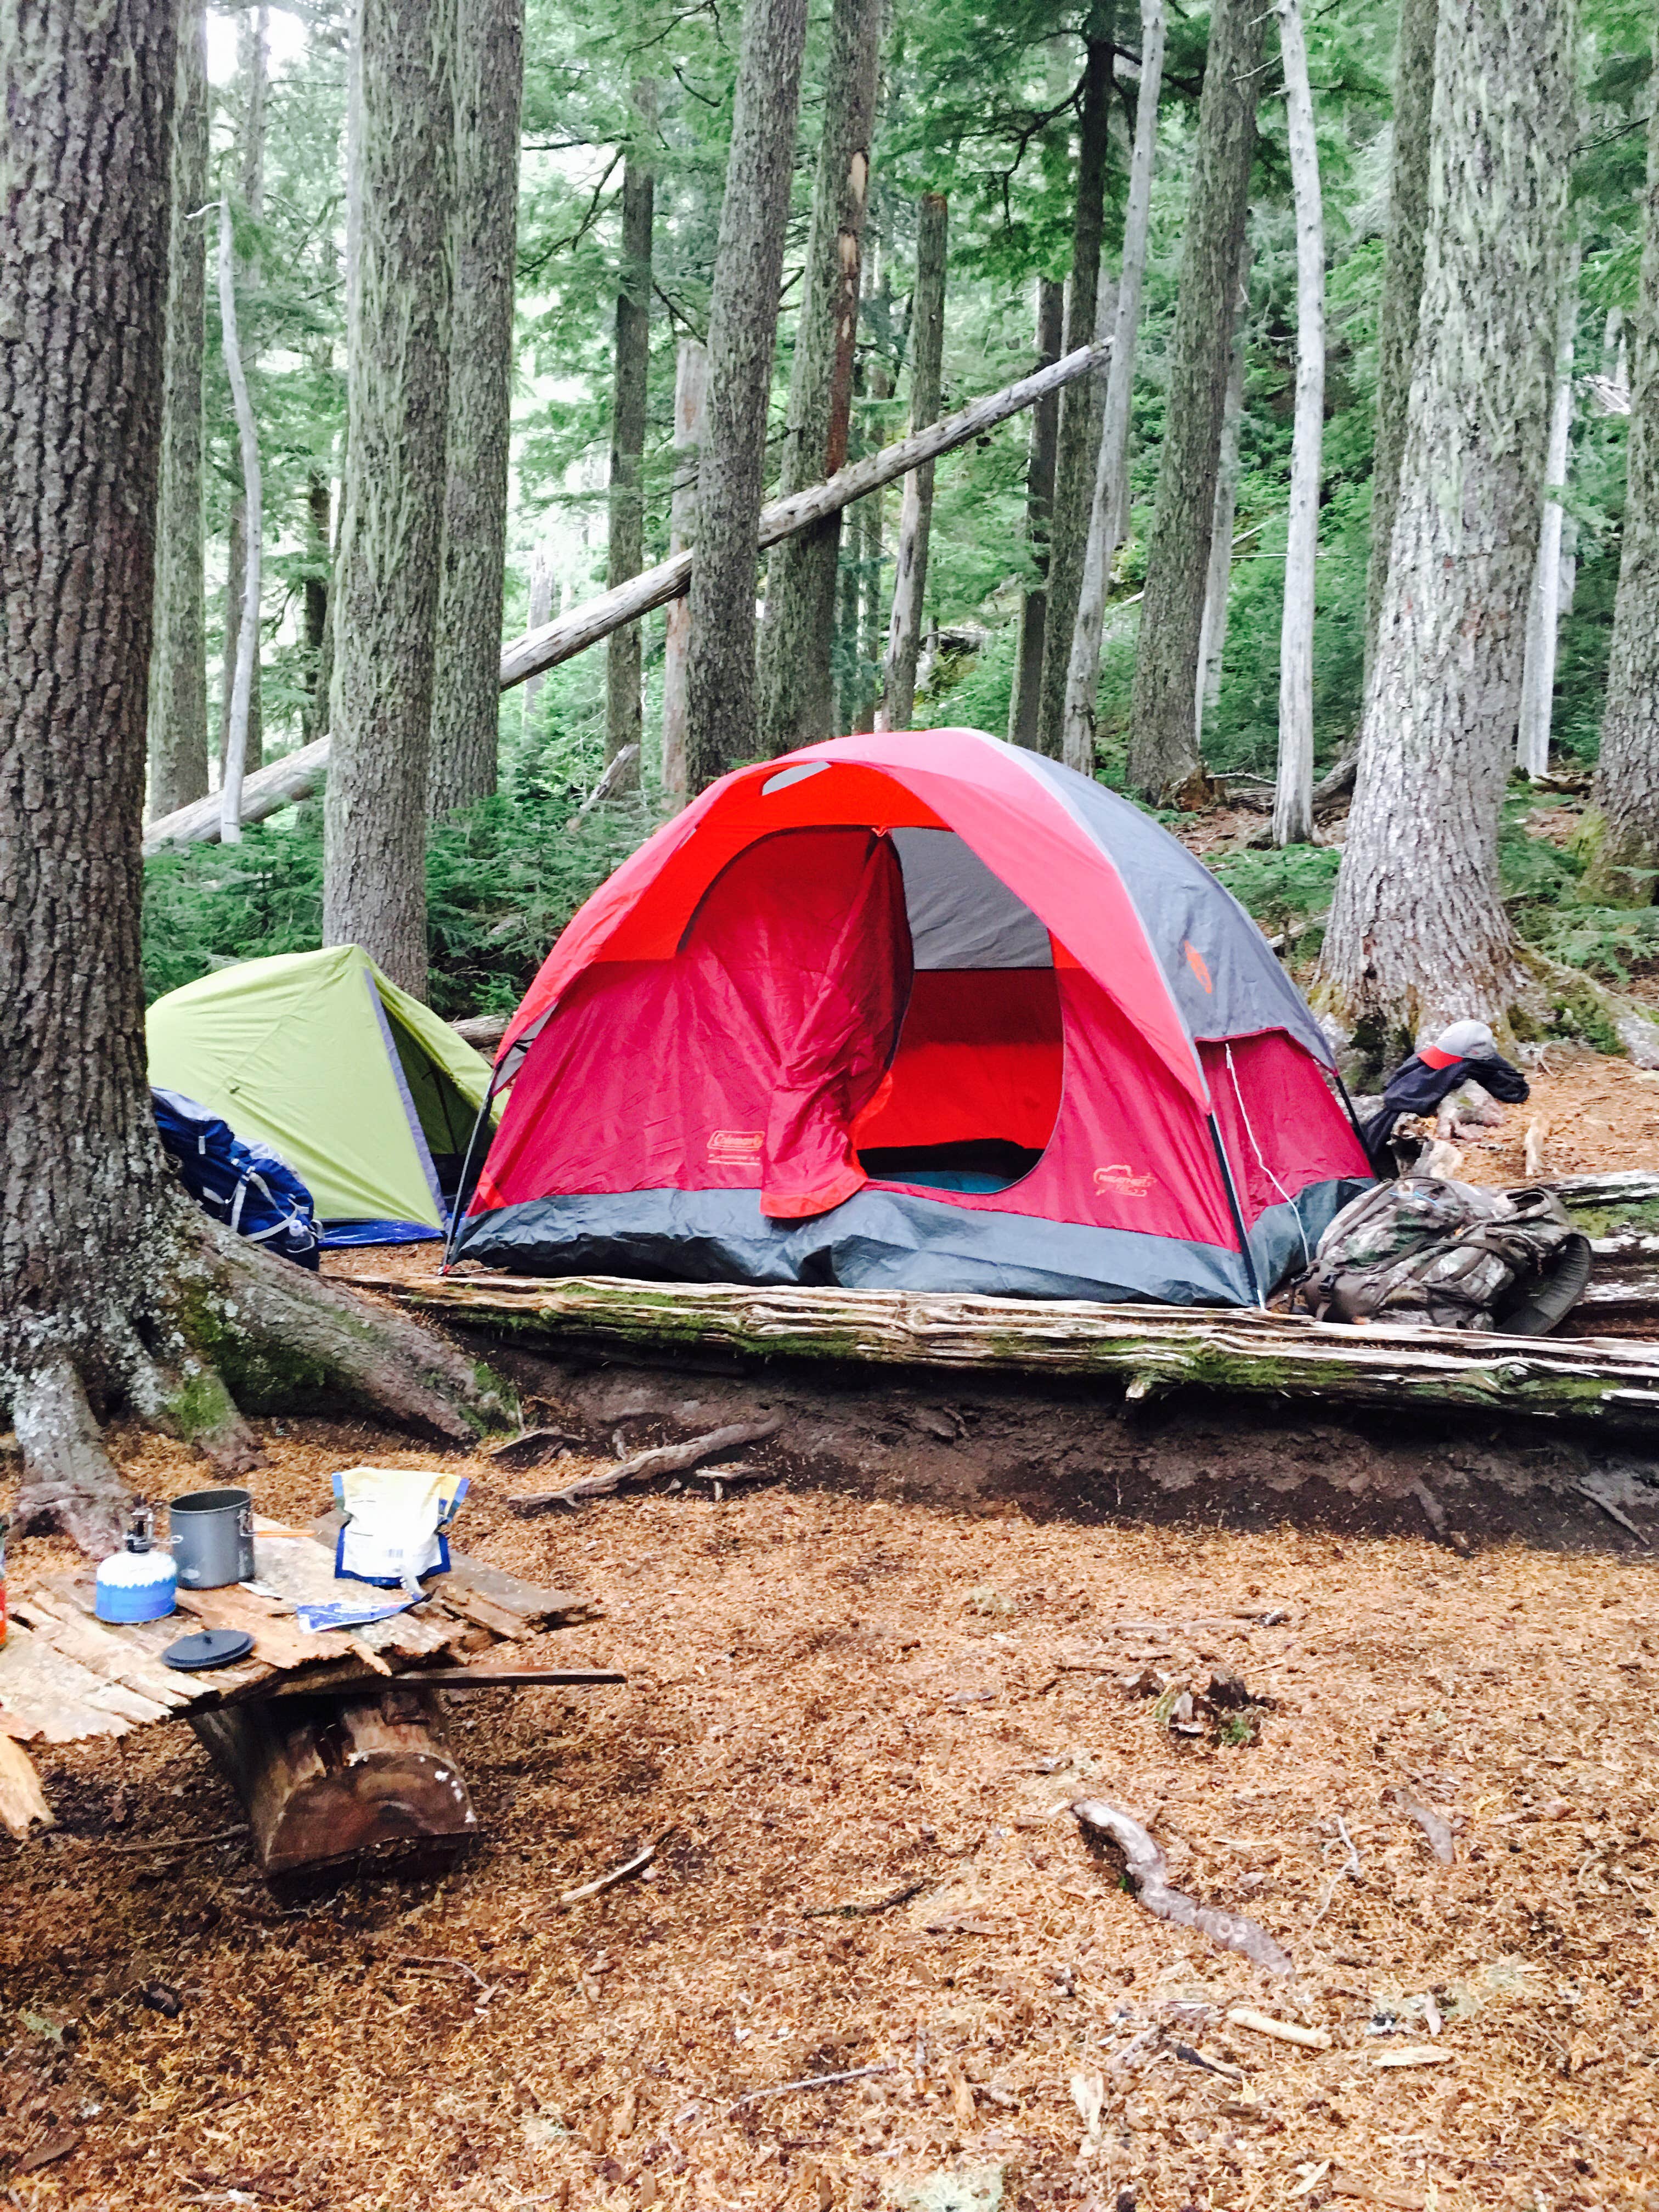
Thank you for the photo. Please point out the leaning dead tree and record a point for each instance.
(297, 776)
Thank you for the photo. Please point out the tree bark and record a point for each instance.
(624, 724)
(539, 612)
(1292, 822)
(178, 690)
(1418, 933)
(466, 697)
(1109, 506)
(1402, 286)
(1039, 520)
(722, 723)
(1213, 635)
(797, 688)
(1627, 777)
(1082, 405)
(247, 635)
(1532, 744)
(318, 630)
(691, 426)
(916, 517)
(253, 56)
(391, 557)
(1163, 761)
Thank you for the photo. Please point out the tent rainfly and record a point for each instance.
(921, 1012)
(362, 1091)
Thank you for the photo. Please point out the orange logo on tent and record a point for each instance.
(736, 1144)
(1195, 961)
(1121, 1181)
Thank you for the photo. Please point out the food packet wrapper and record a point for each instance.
(397, 1524)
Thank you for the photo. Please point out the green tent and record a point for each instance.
(366, 1094)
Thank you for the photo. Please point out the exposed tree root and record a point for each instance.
(219, 1326)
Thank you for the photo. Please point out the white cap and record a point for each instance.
(1467, 1041)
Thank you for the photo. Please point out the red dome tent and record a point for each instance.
(921, 1012)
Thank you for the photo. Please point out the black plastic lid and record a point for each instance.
(211, 1647)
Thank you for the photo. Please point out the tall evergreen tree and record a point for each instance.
(402, 146)
(797, 691)
(178, 684)
(1044, 446)
(721, 722)
(1627, 777)
(1082, 403)
(626, 556)
(467, 695)
(915, 519)
(119, 1291)
(253, 51)
(1163, 761)
(1402, 284)
(1418, 933)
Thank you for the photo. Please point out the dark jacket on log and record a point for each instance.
(1419, 1084)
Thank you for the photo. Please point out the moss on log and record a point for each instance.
(1610, 1383)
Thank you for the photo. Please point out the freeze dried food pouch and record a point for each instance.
(397, 1524)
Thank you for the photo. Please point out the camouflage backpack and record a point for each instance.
(1424, 1252)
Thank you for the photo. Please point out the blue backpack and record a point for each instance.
(244, 1186)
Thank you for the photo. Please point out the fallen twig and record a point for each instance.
(459, 1964)
(640, 1859)
(181, 1843)
(865, 1912)
(1210, 2065)
(535, 1445)
(1147, 1870)
(1437, 1831)
(807, 2082)
(1614, 1513)
(1282, 2031)
(661, 1459)
(1349, 1865)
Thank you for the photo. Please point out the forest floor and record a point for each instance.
(856, 1715)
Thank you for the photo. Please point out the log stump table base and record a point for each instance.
(324, 1777)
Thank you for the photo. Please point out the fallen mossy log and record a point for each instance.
(1607, 1383)
(1619, 1214)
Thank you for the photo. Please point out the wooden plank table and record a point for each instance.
(334, 1741)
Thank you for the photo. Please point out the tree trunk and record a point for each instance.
(1293, 792)
(797, 691)
(1039, 520)
(1419, 933)
(722, 723)
(1082, 406)
(466, 697)
(916, 517)
(690, 423)
(1532, 745)
(1213, 637)
(391, 557)
(1628, 779)
(116, 1286)
(247, 636)
(540, 613)
(1163, 761)
(623, 720)
(1402, 286)
(319, 547)
(253, 51)
(1109, 509)
(178, 697)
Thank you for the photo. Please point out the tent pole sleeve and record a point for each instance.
(1236, 1211)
